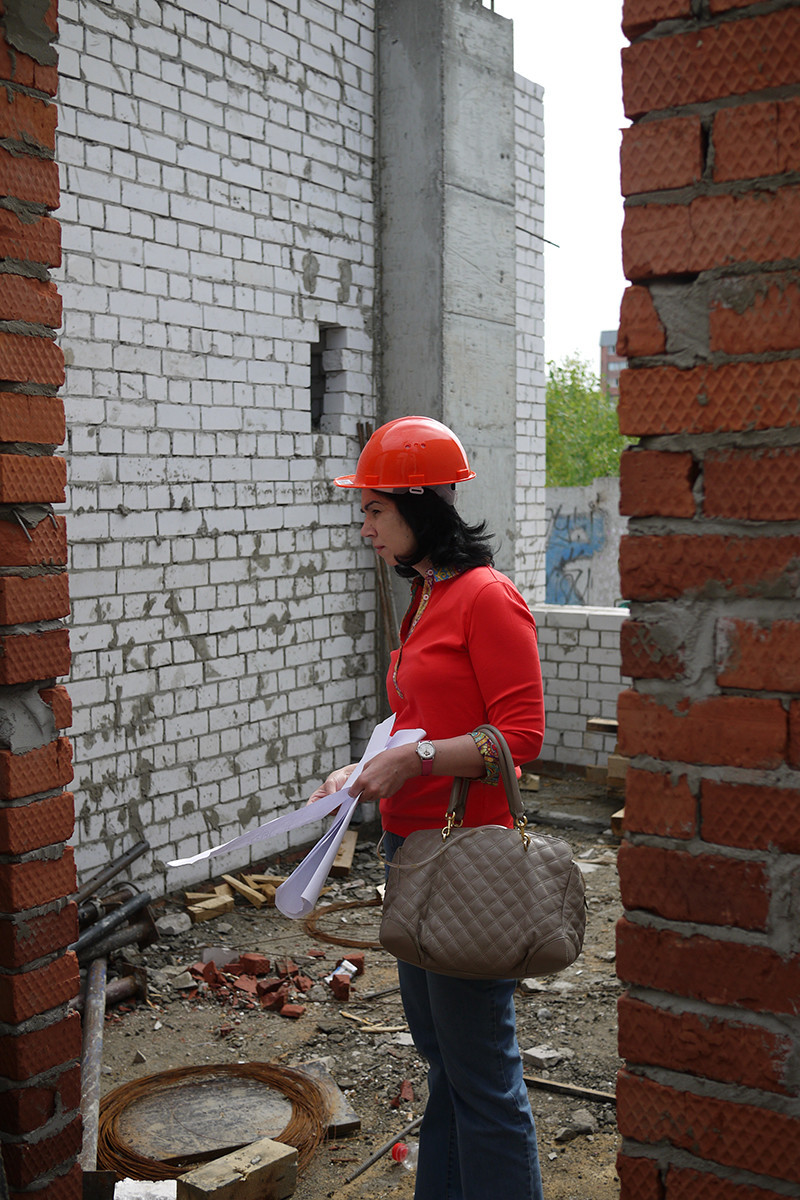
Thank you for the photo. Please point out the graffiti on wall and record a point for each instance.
(573, 537)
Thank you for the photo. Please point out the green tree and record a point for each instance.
(583, 438)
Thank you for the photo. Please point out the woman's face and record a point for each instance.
(389, 533)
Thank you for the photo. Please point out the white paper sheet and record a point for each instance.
(297, 895)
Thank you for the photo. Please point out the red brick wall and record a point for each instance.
(40, 1126)
(709, 946)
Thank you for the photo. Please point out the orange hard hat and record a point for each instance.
(410, 452)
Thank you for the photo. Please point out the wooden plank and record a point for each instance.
(214, 907)
(617, 819)
(257, 899)
(617, 770)
(602, 725)
(570, 1089)
(344, 856)
(265, 1168)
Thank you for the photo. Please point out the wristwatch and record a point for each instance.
(427, 753)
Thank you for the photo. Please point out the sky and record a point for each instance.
(573, 51)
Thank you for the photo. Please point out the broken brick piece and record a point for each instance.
(287, 967)
(246, 983)
(340, 986)
(255, 964)
(276, 999)
(303, 982)
(293, 1010)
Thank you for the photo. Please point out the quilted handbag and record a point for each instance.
(484, 902)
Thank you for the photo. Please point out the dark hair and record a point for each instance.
(441, 534)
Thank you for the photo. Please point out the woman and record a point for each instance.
(468, 656)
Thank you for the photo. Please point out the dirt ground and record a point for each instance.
(572, 1015)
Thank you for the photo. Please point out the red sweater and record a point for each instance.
(471, 659)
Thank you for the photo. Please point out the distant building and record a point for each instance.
(611, 363)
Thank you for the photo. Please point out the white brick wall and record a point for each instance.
(211, 222)
(217, 211)
(531, 522)
(579, 649)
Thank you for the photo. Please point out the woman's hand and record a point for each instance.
(334, 783)
(386, 773)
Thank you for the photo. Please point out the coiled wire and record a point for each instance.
(305, 1130)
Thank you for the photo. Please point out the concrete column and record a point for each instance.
(448, 236)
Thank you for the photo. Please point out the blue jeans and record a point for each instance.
(477, 1138)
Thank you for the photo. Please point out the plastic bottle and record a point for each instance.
(405, 1155)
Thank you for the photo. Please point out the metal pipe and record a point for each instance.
(110, 871)
(117, 990)
(143, 932)
(118, 917)
(96, 907)
(91, 1061)
(379, 1153)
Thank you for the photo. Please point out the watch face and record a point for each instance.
(426, 749)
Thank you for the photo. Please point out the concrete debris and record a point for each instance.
(541, 1057)
(173, 924)
(582, 1124)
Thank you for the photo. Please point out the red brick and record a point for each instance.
(64, 1187)
(755, 140)
(59, 700)
(661, 154)
(686, 1184)
(36, 419)
(31, 359)
(35, 241)
(39, 990)
(794, 734)
(736, 731)
(28, 1161)
(27, 1054)
(640, 15)
(42, 823)
(703, 1045)
(731, 397)
(764, 317)
(753, 485)
(657, 804)
(27, 120)
(709, 232)
(24, 938)
(648, 652)
(26, 1109)
(707, 888)
(640, 1178)
(663, 568)
(733, 58)
(656, 483)
(23, 299)
(750, 816)
(40, 770)
(640, 328)
(758, 1140)
(718, 972)
(759, 656)
(25, 657)
(28, 884)
(28, 178)
(21, 69)
(29, 478)
(45, 545)
(33, 598)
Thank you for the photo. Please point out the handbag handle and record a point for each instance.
(458, 793)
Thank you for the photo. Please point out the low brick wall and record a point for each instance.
(580, 654)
